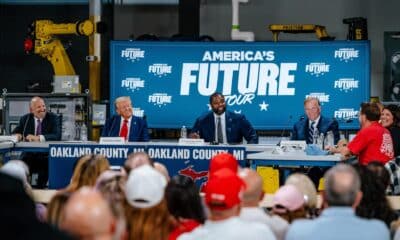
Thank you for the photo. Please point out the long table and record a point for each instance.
(289, 159)
(180, 159)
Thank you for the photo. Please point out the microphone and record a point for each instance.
(284, 129)
(25, 124)
(112, 126)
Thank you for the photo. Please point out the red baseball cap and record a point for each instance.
(223, 160)
(224, 190)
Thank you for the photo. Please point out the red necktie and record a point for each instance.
(124, 130)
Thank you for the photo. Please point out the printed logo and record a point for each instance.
(346, 84)
(387, 145)
(346, 114)
(317, 69)
(160, 99)
(138, 112)
(322, 97)
(346, 54)
(132, 84)
(160, 69)
(132, 54)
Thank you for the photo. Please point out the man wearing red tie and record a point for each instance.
(132, 128)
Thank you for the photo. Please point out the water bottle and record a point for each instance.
(183, 132)
(83, 133)
(329, 139)
(320, 140)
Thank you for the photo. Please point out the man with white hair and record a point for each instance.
(125, 124)
(338, 220)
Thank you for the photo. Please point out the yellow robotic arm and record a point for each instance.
(47, 45)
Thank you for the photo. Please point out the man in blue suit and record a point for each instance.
(132, 128)
(314, 122)
(38, 126)
(221, 126)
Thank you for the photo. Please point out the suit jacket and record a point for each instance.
(337, 223)
(51, 126)
(236, 125)
(300, 128)
(138, 131)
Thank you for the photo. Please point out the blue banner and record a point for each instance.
(191, 161)
(170, 82)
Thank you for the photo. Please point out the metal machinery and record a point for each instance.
(42, 39)
(320, 31)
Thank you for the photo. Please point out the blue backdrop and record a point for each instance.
(170, 82)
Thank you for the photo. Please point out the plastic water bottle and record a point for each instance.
(83, 133)
(183, 132)
(329, 139)
(320, 140)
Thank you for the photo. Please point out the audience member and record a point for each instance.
(288, 203)
(373, 142)
(125, 124)
(374, 204)
(55, 208)
(304, 184)
(136, 159)
(111, 185)
(17, 214)
(251, 212)
(223, 160)
(86, 171)
(338, 220)
(390, 117)
(161, 168)
(38, 126)
(221, 126)
(314, 123)
(184, 204)
(88, 216)
(222, 196)
(145, 207)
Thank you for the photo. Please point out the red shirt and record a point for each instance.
(372, 143)
(185, 226)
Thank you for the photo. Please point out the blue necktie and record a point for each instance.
(311, 131)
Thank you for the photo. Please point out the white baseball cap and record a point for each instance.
(145, 187)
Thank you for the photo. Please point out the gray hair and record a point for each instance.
(342, 183)
(311, 98)
(121, 99)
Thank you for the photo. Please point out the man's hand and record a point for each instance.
(32, 138)
(19, 136)
(194, 135)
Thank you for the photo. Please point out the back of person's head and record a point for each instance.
(19, 170)
(183, 199)
(381, 172)
(223, 194)
(135, 160)
(86, 171)
(288, 202)
(254, 187)
(55, 208)
(303, 183)
(88, 216)
(223, 160)
(342, 186)
(111, 185)
(161, 168)
(146, 208)
(374, 203)
(371, 111)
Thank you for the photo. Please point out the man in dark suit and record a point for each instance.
(132, 128)
(223, 126)
(38, 126)
(314, 122)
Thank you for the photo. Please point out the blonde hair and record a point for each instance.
(55, 208)
(87, 169)
(148, 223)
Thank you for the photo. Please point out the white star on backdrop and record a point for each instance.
(264, 106)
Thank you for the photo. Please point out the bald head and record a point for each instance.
(38, 107)
(342, 186)
(87, 215)
(254, 187)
